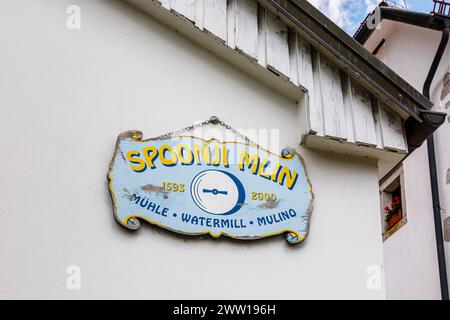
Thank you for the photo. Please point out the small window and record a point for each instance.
(393, 204)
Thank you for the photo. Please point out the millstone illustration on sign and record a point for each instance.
(194, 187)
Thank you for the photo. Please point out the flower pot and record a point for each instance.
(394, 220)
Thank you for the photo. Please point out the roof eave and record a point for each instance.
(419, 19)
(416, 132)
(350, 56)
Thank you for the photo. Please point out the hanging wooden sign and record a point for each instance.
(194, 187)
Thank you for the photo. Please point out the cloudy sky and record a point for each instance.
(348, 14)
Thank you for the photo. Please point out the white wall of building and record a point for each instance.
(442, 139)
(411, 263)
(66, 95)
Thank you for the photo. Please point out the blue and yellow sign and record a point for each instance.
(195, 187)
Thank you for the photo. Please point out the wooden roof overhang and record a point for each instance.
(363, 66)
(294, 48)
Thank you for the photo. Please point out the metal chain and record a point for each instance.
(214, 121)
(237, 133)
(188, 128)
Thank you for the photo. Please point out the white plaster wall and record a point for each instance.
(409, 51)
(411, 263)
(442, 145)
(66, 95)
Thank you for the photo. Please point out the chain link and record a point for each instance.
(214, 121)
